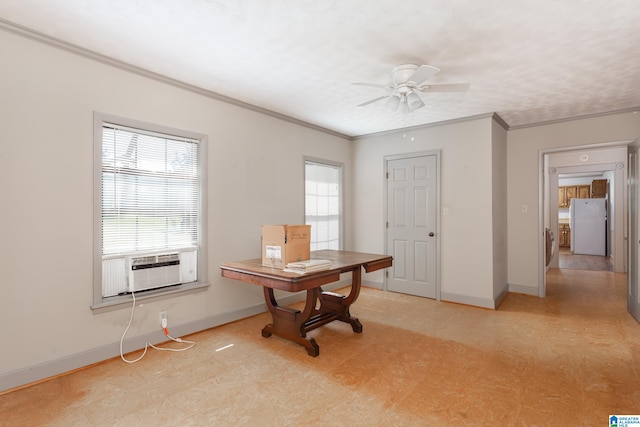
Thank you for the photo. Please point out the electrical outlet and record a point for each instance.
(163, 319)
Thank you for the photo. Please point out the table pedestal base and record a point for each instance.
(321, 307)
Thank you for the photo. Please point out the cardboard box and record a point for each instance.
(282, 244)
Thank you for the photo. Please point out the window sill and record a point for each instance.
(124, 301)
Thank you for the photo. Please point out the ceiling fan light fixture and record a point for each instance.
(414, 102)
(393, 102)
(408, 82)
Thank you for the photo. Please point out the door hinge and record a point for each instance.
(387, 224)
(387, 175)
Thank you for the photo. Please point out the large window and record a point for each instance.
(150, 209)
(323, 203)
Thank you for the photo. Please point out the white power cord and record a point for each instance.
(148, 344)
(166, 332)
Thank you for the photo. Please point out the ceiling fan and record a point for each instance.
(407, 82)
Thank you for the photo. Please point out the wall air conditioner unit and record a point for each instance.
(154, 271)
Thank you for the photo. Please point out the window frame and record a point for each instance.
(340, 167)
(100, 303)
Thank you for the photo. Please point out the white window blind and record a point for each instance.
(150, 191)
(323, 204)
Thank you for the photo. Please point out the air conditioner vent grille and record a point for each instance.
(155, 261)
(154, 271)
(143, 260)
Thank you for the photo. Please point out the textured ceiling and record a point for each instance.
(530, 62)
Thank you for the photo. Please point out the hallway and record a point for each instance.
(584, 262)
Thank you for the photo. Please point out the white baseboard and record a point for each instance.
(373, 285)
(468, 300)
(42, 371)
(528, 290)
(497, 301)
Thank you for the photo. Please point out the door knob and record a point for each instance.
(431, 234)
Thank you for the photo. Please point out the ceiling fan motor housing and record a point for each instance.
(402, 73)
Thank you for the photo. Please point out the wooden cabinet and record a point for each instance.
(568, 192)
(564, 235)
(562, 197)
(565, 194)
(584, 191)
(599, 188)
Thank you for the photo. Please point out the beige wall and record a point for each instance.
(466, 233)
(523, 147)
(46, 187)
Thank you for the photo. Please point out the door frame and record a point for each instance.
(547, 195)
(633, 285)
(385, 203)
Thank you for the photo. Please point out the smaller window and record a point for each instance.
(323, 204)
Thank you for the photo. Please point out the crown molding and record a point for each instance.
(570, 119)
(69, 47)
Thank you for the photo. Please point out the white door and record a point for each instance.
(411, 225)
(633, 295)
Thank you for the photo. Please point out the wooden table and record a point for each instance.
(294, 324)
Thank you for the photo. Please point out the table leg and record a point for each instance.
(338, 305)
(289, 323)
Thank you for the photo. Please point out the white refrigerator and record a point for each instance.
(588, 222)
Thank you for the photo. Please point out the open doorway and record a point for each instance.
(604, 160)
(584, 229)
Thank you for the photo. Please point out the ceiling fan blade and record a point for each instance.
(371, 85)
(372, 101)
(423, 73)
(445, 87)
